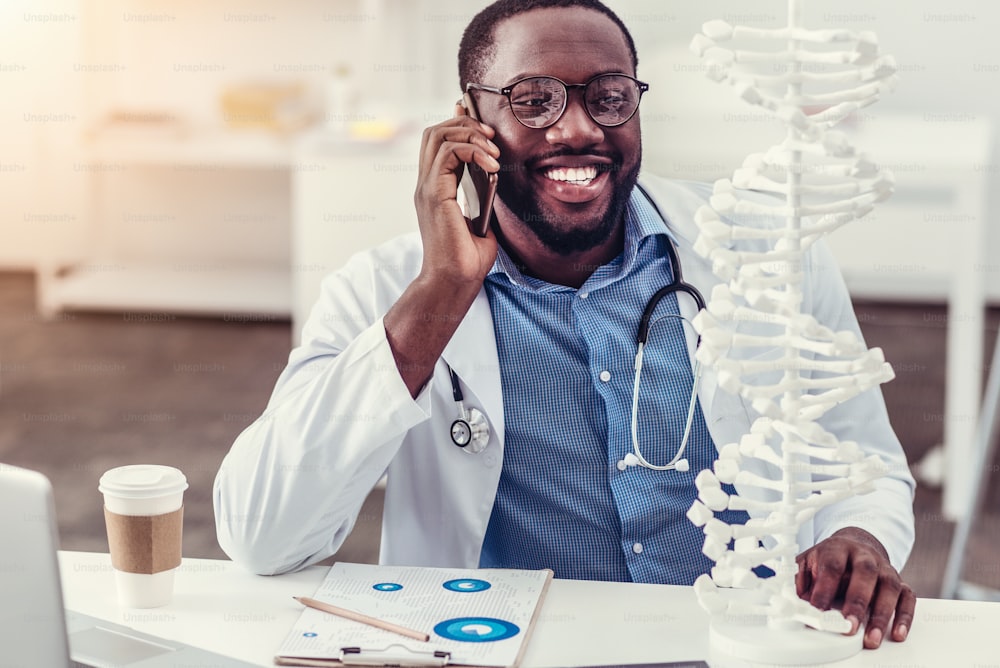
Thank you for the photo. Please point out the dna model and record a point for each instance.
(810, 80)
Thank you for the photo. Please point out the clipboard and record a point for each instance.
(393, 655)
(474, 617)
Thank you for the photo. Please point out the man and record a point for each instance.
(533, 327)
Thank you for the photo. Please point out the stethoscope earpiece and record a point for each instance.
(630, 459)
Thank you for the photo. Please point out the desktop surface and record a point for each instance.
(222, 608)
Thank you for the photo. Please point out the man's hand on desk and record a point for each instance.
(853, 566)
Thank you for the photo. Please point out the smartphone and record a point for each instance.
(478, 186)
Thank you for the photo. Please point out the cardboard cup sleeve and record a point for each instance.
(145, 543)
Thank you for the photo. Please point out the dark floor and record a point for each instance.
(87, 392)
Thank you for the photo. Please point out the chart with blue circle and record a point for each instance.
(476, 629)
(387, 586)
(466, 585)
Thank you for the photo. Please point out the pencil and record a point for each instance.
(364, 619)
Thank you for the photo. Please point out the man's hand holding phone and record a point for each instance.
(455, 261)
(450, 150)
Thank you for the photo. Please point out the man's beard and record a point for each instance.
(527, 206)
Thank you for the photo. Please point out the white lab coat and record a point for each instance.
(289, 491)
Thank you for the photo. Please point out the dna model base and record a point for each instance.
(751, 640)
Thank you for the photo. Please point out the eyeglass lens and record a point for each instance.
(539, 101)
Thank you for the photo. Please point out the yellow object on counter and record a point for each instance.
(281, 107)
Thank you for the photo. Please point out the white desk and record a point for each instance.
(224, 609)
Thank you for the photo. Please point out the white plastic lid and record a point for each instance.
(142, 481)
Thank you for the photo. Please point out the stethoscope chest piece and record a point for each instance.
(471, 432)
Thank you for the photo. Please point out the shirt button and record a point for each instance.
(584, 295)
(605, 376)
(637, 548)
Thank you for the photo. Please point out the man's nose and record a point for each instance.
(575, 128)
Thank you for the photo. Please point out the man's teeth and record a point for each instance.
(578, 175)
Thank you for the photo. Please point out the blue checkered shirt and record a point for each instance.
(566, 360)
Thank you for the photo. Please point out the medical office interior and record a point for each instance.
(177, 177)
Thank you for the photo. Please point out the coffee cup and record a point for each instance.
(144, 515)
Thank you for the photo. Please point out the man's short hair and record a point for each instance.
(478, 47)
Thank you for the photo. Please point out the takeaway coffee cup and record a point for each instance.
(144, 513)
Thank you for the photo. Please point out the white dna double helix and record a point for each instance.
(788, 467)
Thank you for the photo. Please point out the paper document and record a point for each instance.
(480, 617)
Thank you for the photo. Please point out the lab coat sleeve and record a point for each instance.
(887, 512)
(290, 489)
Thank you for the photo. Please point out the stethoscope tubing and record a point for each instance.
(645, 322)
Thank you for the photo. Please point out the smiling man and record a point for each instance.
(567, 176)
(492, 377)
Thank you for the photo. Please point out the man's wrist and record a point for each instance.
(419, 326)
(458, 292)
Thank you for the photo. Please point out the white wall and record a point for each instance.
(402, 53)
(39, 117)
(949, 67)
(65, 64)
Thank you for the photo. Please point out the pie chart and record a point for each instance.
(476, 629)
(466, 584)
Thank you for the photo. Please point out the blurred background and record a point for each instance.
(177, 177)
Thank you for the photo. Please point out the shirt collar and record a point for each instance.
(642, 220)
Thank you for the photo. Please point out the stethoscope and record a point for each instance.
(471, 430)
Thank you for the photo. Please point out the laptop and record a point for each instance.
(35, 629)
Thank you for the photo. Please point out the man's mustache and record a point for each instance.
(615, 158)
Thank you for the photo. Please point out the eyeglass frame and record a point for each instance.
(506, 91)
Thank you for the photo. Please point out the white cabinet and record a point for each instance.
(194, 225)
(197, 222)
(358, 196)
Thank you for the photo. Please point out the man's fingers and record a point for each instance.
(455, 153)
(461, 129)
(904, 614)
(886, 599)
(859, 572)
(473, 135)
(447, 160)
(863, 576)
(465, 143)
(827, 573)
(803, 579)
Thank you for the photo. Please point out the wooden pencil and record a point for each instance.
(364, 619)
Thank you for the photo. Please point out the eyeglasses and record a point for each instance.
(538, 102)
